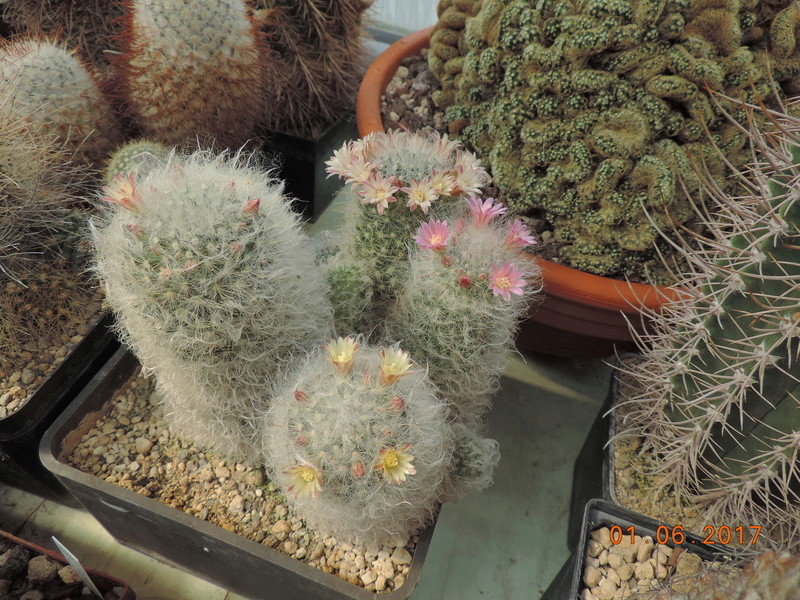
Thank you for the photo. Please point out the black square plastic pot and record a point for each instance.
(600, 513)
(22, 431)
(301, 164)
(168, 534)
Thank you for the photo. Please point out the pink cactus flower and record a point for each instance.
(122, 192)
(484, 211)
(360, 171)
(433, 235)
(443, 182)
(506, 280)
(339, 164)
(519, 236)
(420, 195)
(379, 191)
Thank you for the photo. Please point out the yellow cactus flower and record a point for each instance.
(342, 353)
(305, 480)
(395, 464)
(394, 364)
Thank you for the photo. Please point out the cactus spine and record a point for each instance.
(50, 88)
(721, 382)
(315, 61)
(192, 70)
(215, 289)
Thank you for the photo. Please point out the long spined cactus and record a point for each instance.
(214, 287)
(192, 71)
(591, 114)
(50, 88)
(315, 59)
(720, 399)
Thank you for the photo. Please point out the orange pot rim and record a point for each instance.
(559, 280)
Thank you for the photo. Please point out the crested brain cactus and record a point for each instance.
(394, 180)
(50, 88)
(215, 289)
(315, 60)
(459, 307)
(720, 384)
(193, 70)
(134, 158)
(361, 443)
(447, 49)
(593, 113)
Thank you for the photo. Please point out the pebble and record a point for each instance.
(143, 445)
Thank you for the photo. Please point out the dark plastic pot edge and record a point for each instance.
(599, 512)
(118, 369)
(103, 581)
(21, 432)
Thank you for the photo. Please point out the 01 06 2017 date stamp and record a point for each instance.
(724, 534)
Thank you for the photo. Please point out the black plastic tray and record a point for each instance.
(598, 513)
(168, 534)
(22, 431)
(301, 164)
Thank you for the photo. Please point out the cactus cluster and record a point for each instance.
(394, 181)
(192, 71)
(719, 402)
(214, 287)
(593, 114)
(51, 89)
(359, 439)
(315, 60)
(770, 576)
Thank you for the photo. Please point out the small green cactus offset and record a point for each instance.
(720, 384)
(214, 286)
(361, 442)
(134, 158)
(593, 114)
(193, 70)
(49, 87)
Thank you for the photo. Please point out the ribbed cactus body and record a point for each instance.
(315, 59)
(134, 158)
(51, 89)
(591, 114)
(215, 289)
(722, 382)
(192, 70)
(341, 425)
(448, 315)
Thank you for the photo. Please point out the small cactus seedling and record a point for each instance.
(134, 158)
(720, 383)
(362, 444)
(394, 180)
(214, 286)
(192, 69)
(50, 88)
(469, 283)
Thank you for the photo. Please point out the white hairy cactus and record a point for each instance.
(214, 287)
(50, 88)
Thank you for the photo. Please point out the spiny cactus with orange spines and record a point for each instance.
(315, 60)
(49, 87)
(718, 399)
(214, 287)
(192, 71)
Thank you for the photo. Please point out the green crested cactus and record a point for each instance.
(362, 444)
(135, 157)
(593, 114)
(214, 287)
(468, 285)
(447, 50)
(193, 70)
(315, 60)
(388, 177)
(769, 576)
(720, 384)
(87, 25)
(50, 88)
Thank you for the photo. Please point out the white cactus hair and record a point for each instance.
(211, 300)
(737, 309)
(347, 419)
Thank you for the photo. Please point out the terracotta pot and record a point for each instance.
(582, 314)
